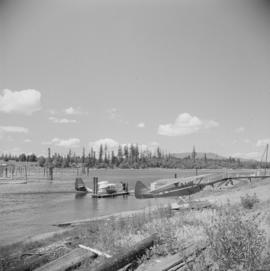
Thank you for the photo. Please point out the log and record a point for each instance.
(122, 259)
(69, 260)
(32, 263)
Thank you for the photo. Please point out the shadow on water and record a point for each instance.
(80, 196)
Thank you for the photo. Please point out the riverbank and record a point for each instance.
(113, 234)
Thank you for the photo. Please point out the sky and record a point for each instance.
(174, 74)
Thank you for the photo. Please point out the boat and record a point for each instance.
(101, 189)
(106, 187)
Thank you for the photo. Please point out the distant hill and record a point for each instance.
(209, 155)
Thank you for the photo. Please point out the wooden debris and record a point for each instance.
(122, 259)
(99, 253)
(68, 261)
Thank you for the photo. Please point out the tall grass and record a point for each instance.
(235, 242)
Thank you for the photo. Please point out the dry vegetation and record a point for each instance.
(234, 236)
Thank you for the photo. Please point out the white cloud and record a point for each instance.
(240, 129)
(27, 140)
(13, 151)
(74, 111)
(185, 124)
(263, 142)
(66, 143)
(52, 111)
(13, 129)
(111, 144)
(62, 120)
(247, 140)
(141, 125)
(24, 101)
(115, 115)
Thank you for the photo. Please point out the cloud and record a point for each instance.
(27, 140)
(13, 151)
(141, 125)
(263, 142)
(24, 101)
(14, 129)
(114, 114)
(74, 111)
(151, 147)
(62, 120)
(240, 129)
(185, 124)
(110, 143)
(66, 143)
(247, 140)
(52, 111)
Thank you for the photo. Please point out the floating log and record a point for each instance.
(68, 261)
(122, 259)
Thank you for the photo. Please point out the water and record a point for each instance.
(27, 210)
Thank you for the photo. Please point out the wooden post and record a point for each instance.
(51, 172)
(175, 175)
(50, 166)
(94, 185)
(25, 173)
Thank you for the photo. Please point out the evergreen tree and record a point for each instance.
(100, 157)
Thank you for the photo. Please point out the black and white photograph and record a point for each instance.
(134, 135)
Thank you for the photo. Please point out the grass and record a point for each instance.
(235, 240)
(248, 201)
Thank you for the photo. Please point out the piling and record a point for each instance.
(95, 185)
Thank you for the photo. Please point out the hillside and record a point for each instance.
(199, 155)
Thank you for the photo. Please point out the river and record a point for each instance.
(32, 208)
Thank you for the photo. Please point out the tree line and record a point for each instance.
(131, 157)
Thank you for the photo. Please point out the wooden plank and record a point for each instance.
(69, 260)
(122, 259)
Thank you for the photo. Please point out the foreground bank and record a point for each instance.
(198, 230)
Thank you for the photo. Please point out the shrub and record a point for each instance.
(235, 243)
(249, 201)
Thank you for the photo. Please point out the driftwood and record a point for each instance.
(32, 263)
(122, 259)
(69, 260)
(36, 257)
(187, 256)
(96, 251)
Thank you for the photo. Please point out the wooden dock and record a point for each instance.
(112, 195)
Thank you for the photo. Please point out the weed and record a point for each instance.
(235, 243)
(248, 201)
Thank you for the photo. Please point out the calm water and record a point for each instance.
(27, 210)
(30, 209)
